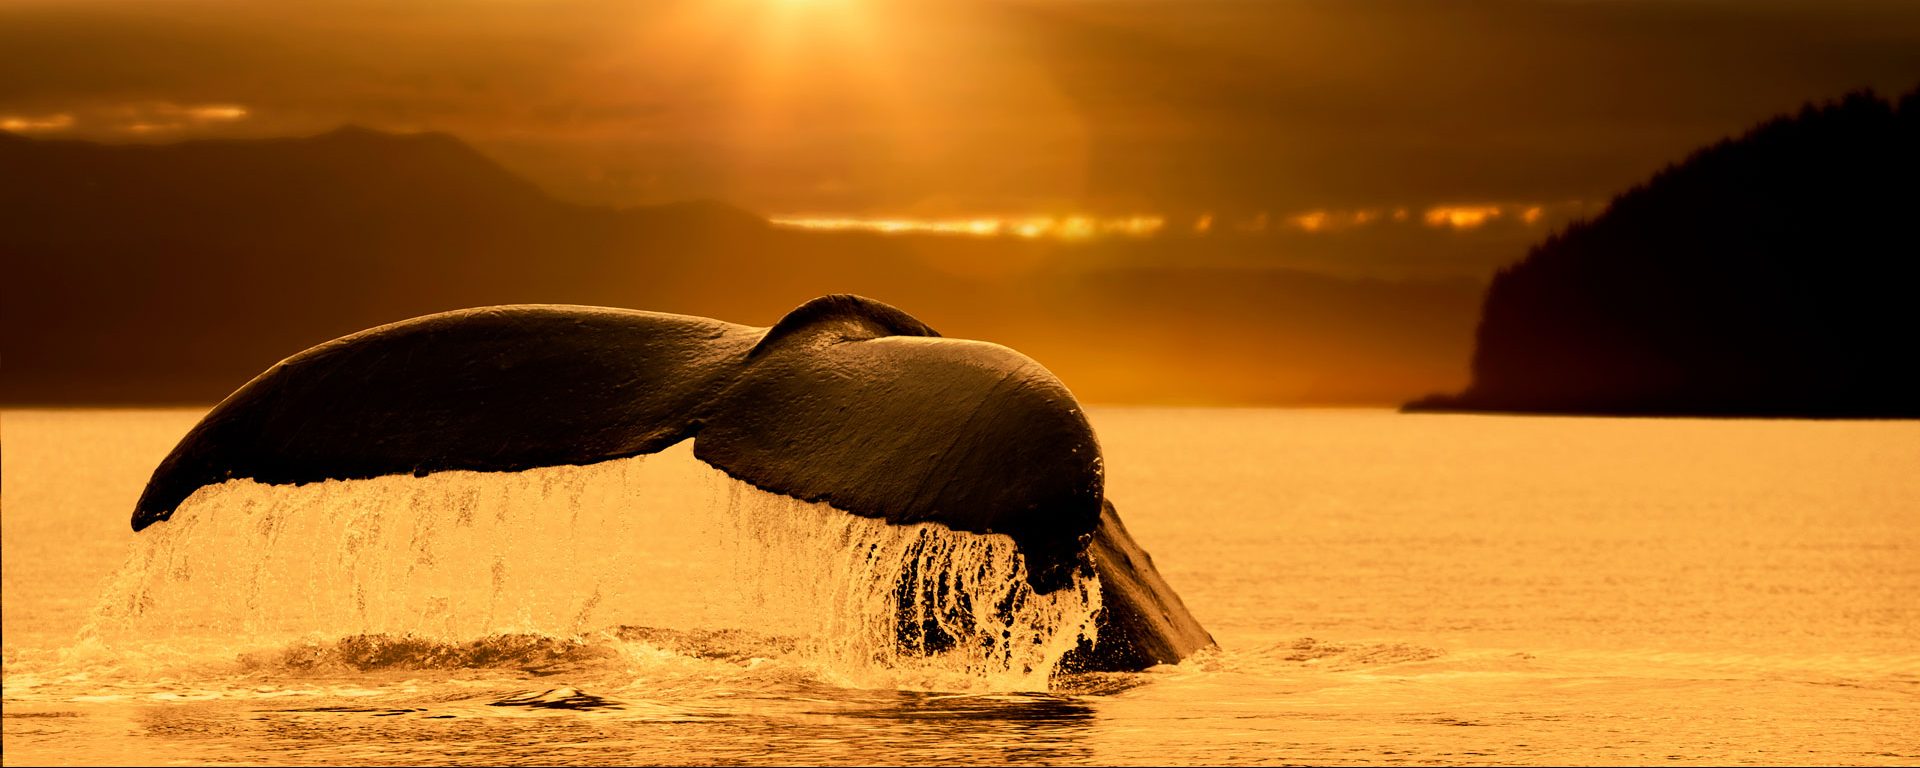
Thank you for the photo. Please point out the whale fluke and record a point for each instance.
(845, 400)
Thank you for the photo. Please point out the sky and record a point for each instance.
(1218, 201)
(1318, 115)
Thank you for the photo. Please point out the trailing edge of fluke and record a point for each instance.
(845, 400)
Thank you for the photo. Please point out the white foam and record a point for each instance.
(660, 541)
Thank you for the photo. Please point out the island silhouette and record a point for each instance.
(1771, 274)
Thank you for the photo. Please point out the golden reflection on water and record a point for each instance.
(1386, 589)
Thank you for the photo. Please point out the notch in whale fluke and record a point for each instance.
(845, 400)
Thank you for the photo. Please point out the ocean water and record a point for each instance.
(1385, 588)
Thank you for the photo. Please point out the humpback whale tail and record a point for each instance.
(845, 401)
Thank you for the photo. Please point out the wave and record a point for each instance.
(369, 653)
(1286, 659)
(557, 698)
(1307, 650)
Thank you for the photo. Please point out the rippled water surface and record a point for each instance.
(1385, 589)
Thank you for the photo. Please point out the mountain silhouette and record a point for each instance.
(1774, 274)
(172, 273)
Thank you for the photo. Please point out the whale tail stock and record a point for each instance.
(1142, 621)
(845, 400)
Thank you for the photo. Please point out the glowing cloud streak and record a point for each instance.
(25, 124)
(1025, 227)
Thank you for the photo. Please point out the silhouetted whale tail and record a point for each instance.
(845, 400)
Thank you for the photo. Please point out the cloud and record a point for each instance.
(1463, 216)
(1026, 227)
(141, 117)
(162, 116)
(1085, 226)
(36, 123)
(1178, 106)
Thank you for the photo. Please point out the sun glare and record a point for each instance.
(886, 95)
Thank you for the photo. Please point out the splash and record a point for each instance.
(446, 568)
(930, 607)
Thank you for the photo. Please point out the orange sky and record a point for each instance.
(960, 108)
(1190, 200)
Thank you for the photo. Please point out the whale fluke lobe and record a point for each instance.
(493, 389)
(845, 400)
(964, 433)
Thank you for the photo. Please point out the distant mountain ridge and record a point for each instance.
(146, 264)
(1776, 274)
(348, 165)
(172, 273)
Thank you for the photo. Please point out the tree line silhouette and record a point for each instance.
(1773, 274)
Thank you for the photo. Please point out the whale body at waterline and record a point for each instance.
(845, 401)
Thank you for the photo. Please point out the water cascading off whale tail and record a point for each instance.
(845, 401)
